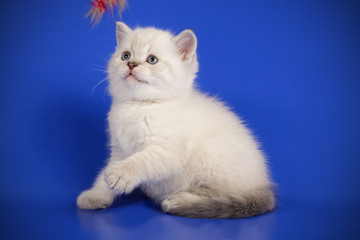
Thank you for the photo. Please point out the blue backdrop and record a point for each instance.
(291, 69)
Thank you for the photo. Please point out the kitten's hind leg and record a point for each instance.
(192, 205)
(175, 203)
(100, 196)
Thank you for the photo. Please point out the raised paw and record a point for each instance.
(121, 178)
(95, 199)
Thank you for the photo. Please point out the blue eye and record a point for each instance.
(152, 59)
(125, 56)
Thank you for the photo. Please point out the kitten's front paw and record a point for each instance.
(94, 199)
(120, 177)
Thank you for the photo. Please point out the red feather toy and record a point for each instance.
(99, 7)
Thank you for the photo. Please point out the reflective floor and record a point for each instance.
(135, 217)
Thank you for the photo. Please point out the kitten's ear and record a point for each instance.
(121, 31)
(186, 43)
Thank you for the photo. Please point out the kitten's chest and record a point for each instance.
(130, 128)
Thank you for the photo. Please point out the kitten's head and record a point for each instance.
(151, 64)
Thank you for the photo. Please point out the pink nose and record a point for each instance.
(132, 65)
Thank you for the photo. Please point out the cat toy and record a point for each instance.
(99, 7)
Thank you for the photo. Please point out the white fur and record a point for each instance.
(166, 136)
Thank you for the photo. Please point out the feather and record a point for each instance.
(99, 7)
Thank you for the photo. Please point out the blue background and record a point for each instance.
(291, 69)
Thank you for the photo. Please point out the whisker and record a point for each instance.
(111, 24)
(97, 54)
(105, 91)
(98, 66)
(112, 38)
(102, 80)
(100, 70)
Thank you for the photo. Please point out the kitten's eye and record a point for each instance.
(152, 59)
(125, 56)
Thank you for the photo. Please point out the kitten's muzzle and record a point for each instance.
(131, 65)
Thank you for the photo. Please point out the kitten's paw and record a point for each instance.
(120, 177)
(94, 199)
(166, 205)
(170, 203)
(178, 200)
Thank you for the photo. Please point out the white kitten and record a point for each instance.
(186, 151)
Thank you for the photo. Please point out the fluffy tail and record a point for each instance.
(199, 206)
